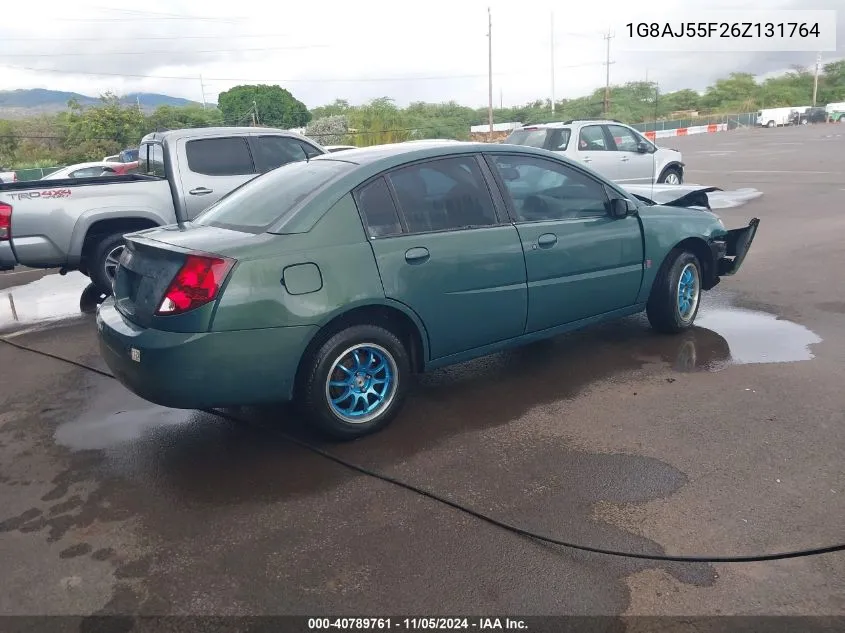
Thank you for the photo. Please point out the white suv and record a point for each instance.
(611, 148)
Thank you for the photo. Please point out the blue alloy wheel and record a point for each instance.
(688, 291)
(362, 383)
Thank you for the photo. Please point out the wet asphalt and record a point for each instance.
(725, 440)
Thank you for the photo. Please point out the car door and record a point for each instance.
(444, 250)
(210, 168)
(580, 262)
(634, 166)
(593, 151)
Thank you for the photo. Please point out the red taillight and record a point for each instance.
(5, 221)
(197, 283)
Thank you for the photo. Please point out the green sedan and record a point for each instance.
(331, 282)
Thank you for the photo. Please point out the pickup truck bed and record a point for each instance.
(79, 224)
(51, 231)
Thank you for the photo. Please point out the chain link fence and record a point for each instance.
(734, 121)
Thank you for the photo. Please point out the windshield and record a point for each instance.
(258, 204)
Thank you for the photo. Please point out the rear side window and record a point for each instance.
(376, 206)
(255, 206)
(220, 156)
(529, 138)
(275, 151)
(310, 150)
(443, 194)
(559, 139)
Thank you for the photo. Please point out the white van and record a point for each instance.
(830, 108)
(774, 117)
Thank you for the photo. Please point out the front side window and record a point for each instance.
(542, 190)
(624, 138)
(443, 194)
(591, 139)
(220, 156)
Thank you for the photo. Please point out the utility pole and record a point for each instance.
(490, 72)
(255, 120)
(552, 21)
(816, 79)
(501, 99)
(607, 37)
(202, 89)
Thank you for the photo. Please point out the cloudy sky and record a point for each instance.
(358, 50)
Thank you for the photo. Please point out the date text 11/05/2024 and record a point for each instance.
(723, 29)
(426, 624)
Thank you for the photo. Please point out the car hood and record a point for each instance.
(692, 196)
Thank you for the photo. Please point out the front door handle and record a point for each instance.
(587, 159)
(547, 240)
(201, 191)
(418, 255)
(625, 159)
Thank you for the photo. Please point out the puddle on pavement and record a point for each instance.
(759, 337)
(51, 298)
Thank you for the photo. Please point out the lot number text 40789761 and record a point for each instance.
(414, 624)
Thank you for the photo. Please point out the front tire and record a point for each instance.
(676, 294)
(671, 176)
(357, 382)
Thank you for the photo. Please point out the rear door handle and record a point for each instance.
(417, 255)
(547, 240)
(587, 159)
(625, 159)
(200, 191)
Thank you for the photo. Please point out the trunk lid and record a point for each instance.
(152, 259)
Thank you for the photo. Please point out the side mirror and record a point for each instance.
(621, 208)
(643, 147)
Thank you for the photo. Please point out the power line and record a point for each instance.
(276, 79)
(174, 52)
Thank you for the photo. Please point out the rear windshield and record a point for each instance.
(258, 204)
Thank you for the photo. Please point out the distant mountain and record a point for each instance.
(17, 104)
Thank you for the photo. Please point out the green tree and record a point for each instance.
(274, 106)
(95, 132)
(738, 93)
(174, 118)
(379, 122)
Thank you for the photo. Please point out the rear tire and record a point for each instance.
(356, 382)
(770, 124)
(103, 263)
(676, 293)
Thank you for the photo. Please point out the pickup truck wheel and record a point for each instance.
(676, 293)
(103, 265)
(356, 382)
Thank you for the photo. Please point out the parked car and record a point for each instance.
(615, 150)
(8, 175)
(810, 115)
(330, 282)
(89, 170)
(126, 156)
(774, 117)
(75, 224)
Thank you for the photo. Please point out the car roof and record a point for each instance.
(367, 162)
(561, 124)
(203, 132)
(96, 163)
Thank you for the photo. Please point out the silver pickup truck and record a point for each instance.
(79, 224)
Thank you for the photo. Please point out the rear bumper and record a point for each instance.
(7, 256)
(202, 370)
